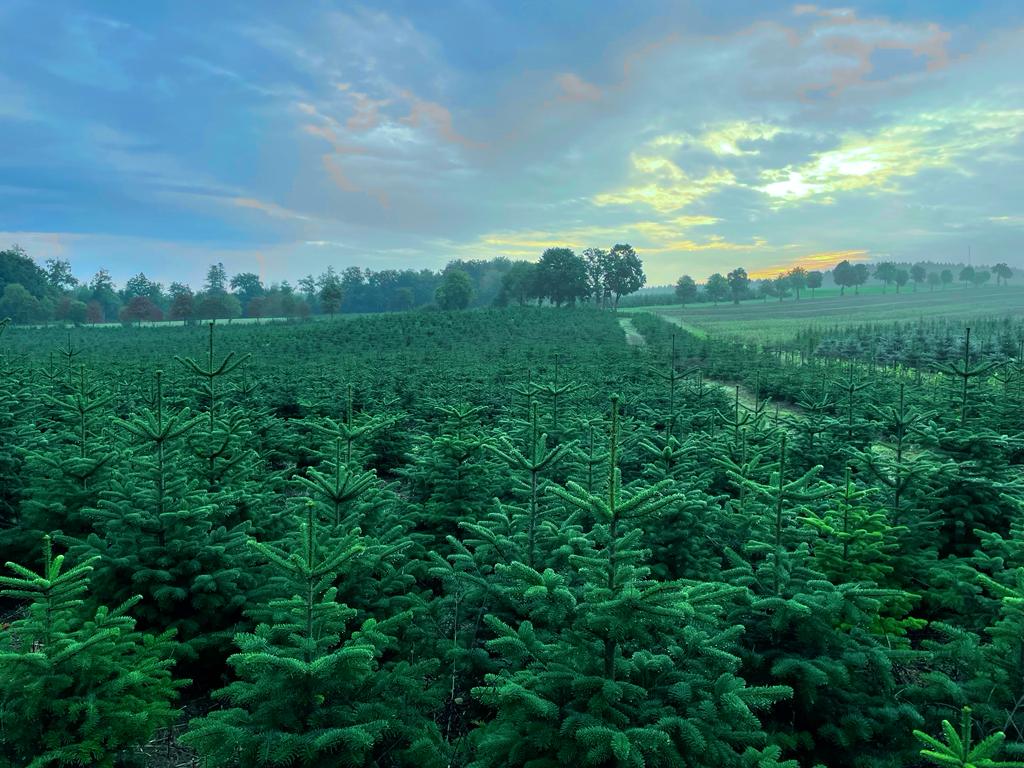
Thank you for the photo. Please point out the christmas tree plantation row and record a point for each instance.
(501, 538)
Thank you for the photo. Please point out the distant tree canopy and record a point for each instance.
(139, 309)
(739, 284)
(814, 280)
(518, 285)
(331, 291)
(561, 276)
(717, 288)
(601, 276)
(456, 290)
(686, 290)
(17, 267)
(624, 273)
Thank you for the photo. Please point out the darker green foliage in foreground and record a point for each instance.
(505, 538)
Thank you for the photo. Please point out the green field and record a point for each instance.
(774, 321)
(442, 536)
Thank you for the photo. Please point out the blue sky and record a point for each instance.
(281, 138)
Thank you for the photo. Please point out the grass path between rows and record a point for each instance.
(747, 396)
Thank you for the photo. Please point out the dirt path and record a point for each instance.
(747, 397)
(693, 330)
(633, 337)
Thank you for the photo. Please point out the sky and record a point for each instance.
(281, 138)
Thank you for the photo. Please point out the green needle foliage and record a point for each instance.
(310, 690)
(606, 669)
(782, 554)
(959, 749)
(531, 462)
(160, 533)
(79, 688)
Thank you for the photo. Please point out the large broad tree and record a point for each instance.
(860, 275)
(214, 306)
(842, 275)
(885, 271)
(17, 267)
(18, 303)
(216, 279)
(717, 288)
(140, 308)
(1002, 272)
(798, 280)
(625, 274)
(562, 276)
(456, 290)
(739, 284)
(247, 286)
(901, 277)
(686, 290)
(814, 279)
(519, 284)
(918, 273)
(102, 291)
(783, 287)
(331, 291)
(140, 285)
(182, 302)
(58, 273)
(597, 261)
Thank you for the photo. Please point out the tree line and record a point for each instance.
(737, 285)
(30, 293)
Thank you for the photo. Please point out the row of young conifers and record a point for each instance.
(503, 538)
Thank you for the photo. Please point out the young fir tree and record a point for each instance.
(66, 465)
(351, 502)
(18, 403)
(964, 372)
(311, 691)
(960, 751)
(850, 423)
(835, 644)
(979, 648)
(856, 543)
(219, 442)
(162, 534)
(613, 667)
(451, 476)
(349, 495)
(526, 518)
(681, 539)
(79, 689)
(556, 392)
(907, 477)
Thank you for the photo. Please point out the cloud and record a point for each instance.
(424, 113)
(575, 88)
(822, 261)
(940, 139)
(660, 183)
(380, 136)
(271, 209)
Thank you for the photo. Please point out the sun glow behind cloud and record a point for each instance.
(820, 261)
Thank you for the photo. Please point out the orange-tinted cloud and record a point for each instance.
(575, 88)
(823, 260)
(429, 113)
(271, 209)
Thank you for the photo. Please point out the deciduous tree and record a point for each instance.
(686, 290)
(717, 288)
